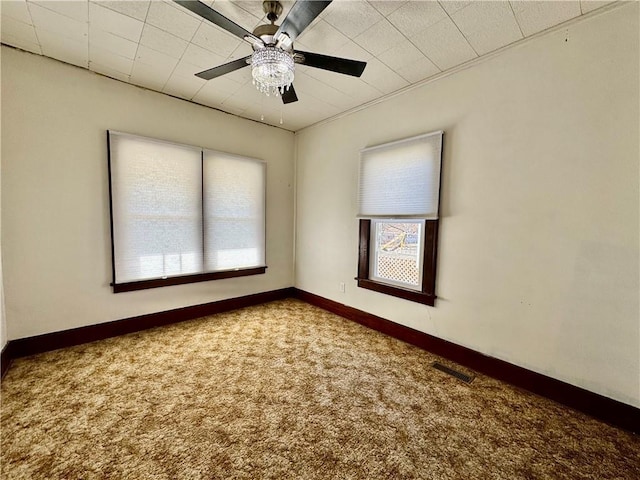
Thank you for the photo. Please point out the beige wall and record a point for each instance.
(3, 322)
(55, 215)
(539, 246)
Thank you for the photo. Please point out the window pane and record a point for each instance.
(397, 253)
(234, 212)
(157, 205)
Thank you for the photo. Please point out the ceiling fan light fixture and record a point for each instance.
(272, 70)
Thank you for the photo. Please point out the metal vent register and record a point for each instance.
(454, 373)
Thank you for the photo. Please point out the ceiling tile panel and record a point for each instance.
(239, 15)
(152, 77)
(353, 51)
(213, 95)
(246, 97)
(487, 25)
(444, 45)
(108, 71)
(451, 6)
(356, 89)
(218, 87)
(242, 50)
(109, 59)
(17, 10)
(238, 112)
(409, 62)
(18, 30)
(54, 22)
(378, 75)
(183, 87)
(132, 8)
(380, 37)
(186, 69)
(211, 99)
(352, 18)
(20, 43)
(321, 38)
(162, 41)
(215, 39)
(64, 48)
(414, 17)
(112, 43)
(77, 10)
(321, 90)
(590, 5)
(153, 58)
(254, 7)
(309, 106)
(115, 23)
(387, 7)
(240, 76)
(202, 58)
(173, 19)
(533, 17)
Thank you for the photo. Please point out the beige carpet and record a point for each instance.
(285, 391)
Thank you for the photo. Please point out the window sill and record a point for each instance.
(183, 279)
(412, 295)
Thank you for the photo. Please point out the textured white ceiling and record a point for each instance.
(159, 45)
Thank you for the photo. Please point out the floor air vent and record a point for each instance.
(454, 373)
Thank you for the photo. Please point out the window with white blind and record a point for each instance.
(182, 214)
(398, 203)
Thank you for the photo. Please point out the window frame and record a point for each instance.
(426, 295)
(375, 252)
(165, 281)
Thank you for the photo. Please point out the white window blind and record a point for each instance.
(179, 210)
(401, 179)
(156, 207)
(234, 205)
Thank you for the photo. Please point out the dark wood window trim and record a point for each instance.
(427, 295)
(182, 279)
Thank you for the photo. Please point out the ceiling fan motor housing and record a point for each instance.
(272, 9)
(266, 33)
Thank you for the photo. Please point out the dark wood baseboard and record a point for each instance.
(5, 360)
(76, 336)
(603, 408)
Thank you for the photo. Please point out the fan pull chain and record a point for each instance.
(262, 108)
(281, 122)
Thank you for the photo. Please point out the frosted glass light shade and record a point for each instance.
(401, 179)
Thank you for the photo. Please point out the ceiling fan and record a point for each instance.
(274, 58)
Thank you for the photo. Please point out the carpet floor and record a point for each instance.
(285, 391)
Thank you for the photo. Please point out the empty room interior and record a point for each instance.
(350, 239)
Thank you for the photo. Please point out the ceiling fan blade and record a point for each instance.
(218, 19)
(224, 68)
(289, 96)
(300, 16)
(334, 64)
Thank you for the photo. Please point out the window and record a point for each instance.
(181, 214)
(396, 256)
(398, 203)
